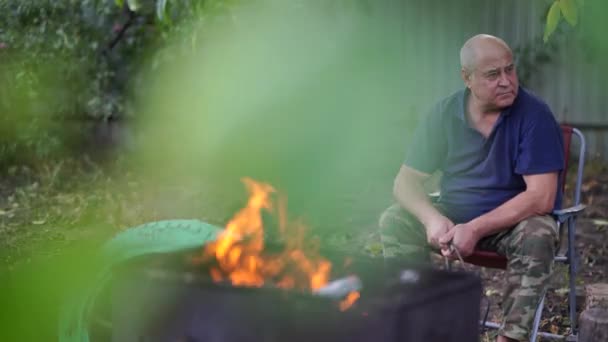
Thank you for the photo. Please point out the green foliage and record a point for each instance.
(133, 5)
(55, 64)
(532, 55)
(161, 6)
(66, 37)
(553, 17)
(568, 9)
(83, 58)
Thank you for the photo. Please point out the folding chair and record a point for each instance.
(564, 217)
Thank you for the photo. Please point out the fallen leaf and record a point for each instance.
(554, 329)
(491, 292)
(38, 222)
(599, 222)
(588, 185)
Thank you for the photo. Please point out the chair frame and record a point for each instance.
(567, 217)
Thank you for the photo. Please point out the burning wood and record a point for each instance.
(240, 256)
(347, 288)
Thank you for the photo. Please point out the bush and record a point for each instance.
(57, 62)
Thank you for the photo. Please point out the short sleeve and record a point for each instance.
(427, 148)
(541, 147)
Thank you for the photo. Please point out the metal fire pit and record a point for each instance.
(162, 298)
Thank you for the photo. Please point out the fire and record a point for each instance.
(239, 250)
(350, 299)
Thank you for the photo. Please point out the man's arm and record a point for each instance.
(537, 199)
(409, 192)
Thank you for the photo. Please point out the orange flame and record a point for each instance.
(239, 250)
(350, 299)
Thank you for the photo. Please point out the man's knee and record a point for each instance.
(535, 237)
(401, 233)
(393, 216)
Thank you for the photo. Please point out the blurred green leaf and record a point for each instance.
(133, 5)
(553, 17)
(569, 10)
(119, 3)
(374, 249)
(161, 6)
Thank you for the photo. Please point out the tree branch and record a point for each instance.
(121, 32)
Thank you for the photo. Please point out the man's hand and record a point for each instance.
(462, 237)
(437, 227)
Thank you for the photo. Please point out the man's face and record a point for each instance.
(493, 82)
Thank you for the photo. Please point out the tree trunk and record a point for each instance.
(593, 325)
(593, 322)
(596, 296)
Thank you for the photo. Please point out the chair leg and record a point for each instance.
(572, 264)
(537, 316)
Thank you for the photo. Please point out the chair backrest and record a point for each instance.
(567, 132)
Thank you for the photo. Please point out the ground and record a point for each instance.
(45, 210)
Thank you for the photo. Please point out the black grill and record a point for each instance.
(162, 298)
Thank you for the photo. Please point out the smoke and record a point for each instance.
(304, 99)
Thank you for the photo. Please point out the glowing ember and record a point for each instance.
(239, 250)
(350, 299)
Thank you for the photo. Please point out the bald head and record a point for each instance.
(489, 73)
(478, 47)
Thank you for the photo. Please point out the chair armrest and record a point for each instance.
(563, 215)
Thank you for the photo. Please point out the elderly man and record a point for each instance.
(501, 153)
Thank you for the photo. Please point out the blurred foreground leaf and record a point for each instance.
(569, 10)
(553, 17)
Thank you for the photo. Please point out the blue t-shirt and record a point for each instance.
(480, 174)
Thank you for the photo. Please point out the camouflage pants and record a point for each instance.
(529, 248)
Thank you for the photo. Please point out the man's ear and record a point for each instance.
(466, 77)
